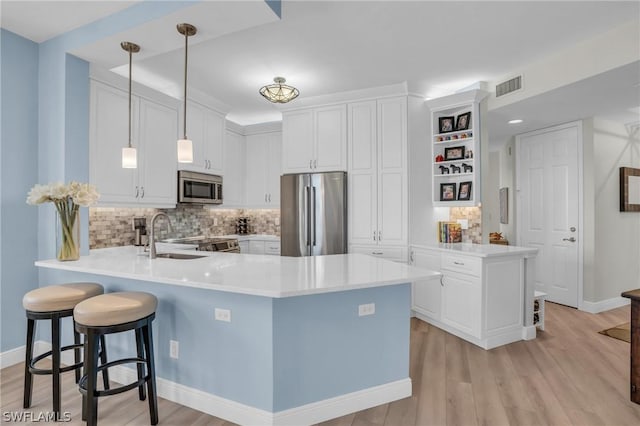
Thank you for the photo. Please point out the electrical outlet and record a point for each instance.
(174, 349)
(277, 221)
(223, 315)
(215, 221)
(367, 309)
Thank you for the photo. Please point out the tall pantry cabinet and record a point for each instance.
(377, 159)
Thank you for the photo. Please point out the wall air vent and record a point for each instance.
(509, 86)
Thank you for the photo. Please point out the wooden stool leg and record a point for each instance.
(634, 377)
(28, 377)
(140, 350)
(76, 353)
(103, 360)
(91, 364)
(55, 360)
(151, 370)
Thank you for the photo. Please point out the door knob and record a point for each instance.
(572, 229)
(571, 240)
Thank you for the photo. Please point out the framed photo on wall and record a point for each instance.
(464, 191)
(504, 205)
(445, 124)
(463, 120)
(448, 191)
(454, 153)
(629, 189)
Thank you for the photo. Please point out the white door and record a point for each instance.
(297, 142)
(214, 147)
(330, 139)
(274, 169)
(427, 294)
(548, 207)
(256, 185)
(461, 302)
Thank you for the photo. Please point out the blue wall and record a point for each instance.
(19, 172)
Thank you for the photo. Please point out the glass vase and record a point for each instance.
(68, 236)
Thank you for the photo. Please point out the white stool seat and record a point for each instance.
(59, 297)
(114, 308)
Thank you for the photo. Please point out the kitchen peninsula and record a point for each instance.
(267, 339)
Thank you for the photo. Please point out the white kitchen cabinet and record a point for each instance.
(479, 298)
(427, 294)
(314, 140)
(154, 130)
(244, 247)
(206, 129)
(256, 246)
(377, 142)
(264, 156)
(234, 170)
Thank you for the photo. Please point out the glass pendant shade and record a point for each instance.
(185, 151)
(129, 158)
(279, 93)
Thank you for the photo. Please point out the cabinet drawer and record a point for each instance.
(397, 254)
(256, 247)
(272, 247)
(463, 264)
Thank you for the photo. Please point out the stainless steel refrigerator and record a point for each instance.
(313, 214)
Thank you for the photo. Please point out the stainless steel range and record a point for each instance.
(222, 244)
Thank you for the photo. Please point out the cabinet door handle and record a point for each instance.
(442, 280)
(374, 235)
(137, 192)
(411, 258)
(269, 197)
(311, 164)
(377, 253)
(459, 263)
(571, 240)
(142, 192)
(315, 164)
(265, 198)
(379, 235)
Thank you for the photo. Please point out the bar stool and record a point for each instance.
(114, 313)
(53, 303)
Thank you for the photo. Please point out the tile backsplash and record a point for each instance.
(110, 227)
(474, 216)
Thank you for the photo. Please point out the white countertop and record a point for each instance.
(270, 276)
(481, 250)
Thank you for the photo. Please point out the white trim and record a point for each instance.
(392, 90)
(16, 355)
(529, 332)
(604, 305)
(244, 414)
(12, 357)
(518, 211)
(269, 127)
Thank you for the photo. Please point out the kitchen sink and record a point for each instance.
(179, 256)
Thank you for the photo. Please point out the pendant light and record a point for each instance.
(279, 93)
(185, 146)
(129, 155)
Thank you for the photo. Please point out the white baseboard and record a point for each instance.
(529, 332)
(16, 355)
(246, 415)
(604, 305)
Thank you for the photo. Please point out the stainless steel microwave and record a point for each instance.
(199, 188)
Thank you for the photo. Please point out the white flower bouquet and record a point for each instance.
(67, 199)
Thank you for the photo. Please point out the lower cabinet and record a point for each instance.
(255, 245)
(479, 299)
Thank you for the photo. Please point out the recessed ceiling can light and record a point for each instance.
(518, 121)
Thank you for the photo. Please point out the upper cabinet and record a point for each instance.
(314, 140)
(264, 156)
(154, 135)
(455, 149)
(206, 129)
(234, 170)
(378, 201)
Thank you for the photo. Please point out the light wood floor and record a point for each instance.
(569, 375)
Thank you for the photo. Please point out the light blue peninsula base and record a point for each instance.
(280, 360)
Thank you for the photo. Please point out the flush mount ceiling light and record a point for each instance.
(185, 146)
(129, 156)
(517, 121)
(279, 93)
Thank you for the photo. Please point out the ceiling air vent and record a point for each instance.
(509, 86)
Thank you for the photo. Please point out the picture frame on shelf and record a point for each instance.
(445, 124)
(454, 153)
(463, 121)
(448, 191)
(464, 191)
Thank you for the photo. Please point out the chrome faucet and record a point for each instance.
(152, 237)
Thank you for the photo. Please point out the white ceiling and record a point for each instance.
(324, 47)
